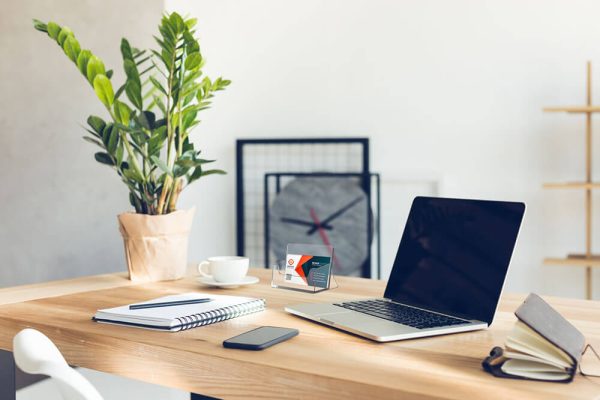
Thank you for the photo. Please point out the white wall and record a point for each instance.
(443, 88)
(58, 206)
(449, 90)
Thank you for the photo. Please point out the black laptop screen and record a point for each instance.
(454, 255)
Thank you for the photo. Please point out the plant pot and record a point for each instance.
(156, 246)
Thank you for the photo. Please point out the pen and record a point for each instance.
(168, 303)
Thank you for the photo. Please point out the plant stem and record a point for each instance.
(132, 156)
(180, 131)
(177, 186)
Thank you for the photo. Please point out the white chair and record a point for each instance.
(36, 354)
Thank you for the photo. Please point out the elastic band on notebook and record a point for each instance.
(588, 346)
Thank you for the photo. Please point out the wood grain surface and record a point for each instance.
(319, 363)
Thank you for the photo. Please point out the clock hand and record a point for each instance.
(335, 214)
(324, 237)
(306, 223)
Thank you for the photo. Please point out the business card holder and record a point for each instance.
(307, 268)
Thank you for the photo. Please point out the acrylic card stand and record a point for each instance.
(307, 268)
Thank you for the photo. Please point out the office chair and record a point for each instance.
(36, 354)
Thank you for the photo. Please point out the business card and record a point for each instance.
(307, 270)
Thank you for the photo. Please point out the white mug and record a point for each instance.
(225, 269)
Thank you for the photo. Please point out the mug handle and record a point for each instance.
(201, 271)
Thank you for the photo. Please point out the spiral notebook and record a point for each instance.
(178, 318)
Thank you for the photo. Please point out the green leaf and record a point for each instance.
(91, 132)
(213, 172)
(130, 173)
(147, 119)
(179, 171)
(82, 61)
(120, 90)
(119, 153)
(191, 78)
(161, 106)
(222, 83)
(94, 141)
(63, 34)
(134, 93)
(131, 70)
(177, 22)
(133, 201)
(126, 50)
(195, 175)
(109, 73)
(191, 44)
(138, 54)
(96, 123)
(133, 86)
(193, 61)
(187, 146)
(162, 43)
(103, 89)
(189, 98)
(168, 57)
(166, 29)
(161, 164)
(189, 118)
(53, 30)
(107, 133)
(158, 85)
(186, 163)
(71, 48)
(40, 26)
(122, 112)
(191, 22)
(138, 63)
(104, 158)
(113, 141)
(157, 139)
(159, 56)
(94, 67)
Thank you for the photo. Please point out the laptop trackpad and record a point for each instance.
(333, 315)
(365, 323)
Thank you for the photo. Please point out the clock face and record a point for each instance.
(326, 210)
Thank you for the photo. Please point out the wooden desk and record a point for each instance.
(319, 363)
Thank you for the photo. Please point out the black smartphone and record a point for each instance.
(260, 338)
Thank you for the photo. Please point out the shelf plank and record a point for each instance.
(572, 185)
(573, 109)
(575, 261)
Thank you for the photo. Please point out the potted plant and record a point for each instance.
(145, 137)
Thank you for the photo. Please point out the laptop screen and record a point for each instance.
(454, 255)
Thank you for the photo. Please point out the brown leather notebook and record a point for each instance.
(542, 346)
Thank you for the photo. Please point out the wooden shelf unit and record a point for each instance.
(572, 185)
(587, 260)
(581, 262)
(574, 109)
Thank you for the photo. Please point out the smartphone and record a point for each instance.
(260, 338)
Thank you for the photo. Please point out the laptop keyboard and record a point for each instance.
(401, 314)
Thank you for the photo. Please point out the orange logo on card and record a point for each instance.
(291, 261)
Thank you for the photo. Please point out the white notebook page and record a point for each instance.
(166, 316)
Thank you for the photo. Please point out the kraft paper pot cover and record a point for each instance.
(156, 246)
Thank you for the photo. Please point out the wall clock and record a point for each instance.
(257, 157)
(329, 209)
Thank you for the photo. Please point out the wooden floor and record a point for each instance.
(319, 363)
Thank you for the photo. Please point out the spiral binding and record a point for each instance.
(221, 314)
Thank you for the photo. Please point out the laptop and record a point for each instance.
(447, 277)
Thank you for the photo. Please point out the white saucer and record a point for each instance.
(209, 281)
